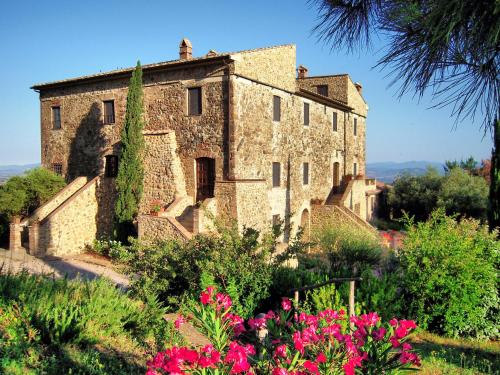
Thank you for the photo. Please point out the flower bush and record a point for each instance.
(288, 342)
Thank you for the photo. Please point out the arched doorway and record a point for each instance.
(305, 224)
(205, 178)
(336, 175)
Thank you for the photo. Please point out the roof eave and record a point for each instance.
(127, 71)
(323, 99)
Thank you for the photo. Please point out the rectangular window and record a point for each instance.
(355, 126)
(109, 112)
(276, 108)
(322, 90)
(306, 114)
(334, 121)
(305, 174)
(194, 101)
(56, 117)
(57, 168)
(355, 169)
(111, 166)
(276, 174)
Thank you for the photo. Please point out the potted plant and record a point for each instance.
(157, 207)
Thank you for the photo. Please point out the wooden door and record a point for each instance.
(205, 178)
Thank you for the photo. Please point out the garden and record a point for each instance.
(431, 305)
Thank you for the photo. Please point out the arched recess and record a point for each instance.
(336, 175)
(305, 224)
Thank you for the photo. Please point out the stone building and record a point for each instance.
(244, 136)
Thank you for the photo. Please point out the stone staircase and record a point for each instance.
(186, 219)
(338, 197)
(65, 224)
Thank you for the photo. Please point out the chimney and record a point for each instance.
(212, 53)
(302, 71)
(359, 87)
(185, 50)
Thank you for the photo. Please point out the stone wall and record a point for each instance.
(71, 226)
(70, 189)
(152, 228)
(337, 85)
(274, 65)
(84, 140)
(163, 173)
(260, 141)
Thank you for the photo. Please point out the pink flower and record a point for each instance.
(395, 342)
(179, 321)
(286, 304)
(379, 334)
(321, 358)
(223, 301)
(279, 371)
(210, 357)
(205, 298)
(257, 323)
(280, 351)
(311, 367)
(237, 357)
(400, 332)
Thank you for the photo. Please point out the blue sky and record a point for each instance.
(50, 40)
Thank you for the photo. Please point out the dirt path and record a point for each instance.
(84, 265)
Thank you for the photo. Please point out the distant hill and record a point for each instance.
(7, 171)
(387, 171)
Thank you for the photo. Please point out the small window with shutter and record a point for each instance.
(334, 121)
(276, 174)
(306, 114)
(276, 108)
(355, 169)
(355, 126)
(322, 90)
(109, 112)
(305, 174)
(194, 101)
(56, 117)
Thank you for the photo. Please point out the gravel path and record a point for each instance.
(84, 265)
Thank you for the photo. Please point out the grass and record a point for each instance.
(441, 355)
(60, 326)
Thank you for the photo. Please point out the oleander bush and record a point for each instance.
(288, 341)
(88, 327)
(450, 276)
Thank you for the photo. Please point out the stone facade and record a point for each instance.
(234, 131)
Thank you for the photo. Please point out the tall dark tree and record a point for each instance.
(129, 182)
(494, 211)
(448, 47)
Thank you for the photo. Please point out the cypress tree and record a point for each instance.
(129, 182)
(494, 212)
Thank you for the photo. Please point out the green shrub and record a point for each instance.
(21, 195)
(415, 195)
(380, 291)
(238, 264)
(464, 194)
(47, 325)
(450, 276)
(349, 249)
(111, 248)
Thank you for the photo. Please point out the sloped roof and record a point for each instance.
(159, 65)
